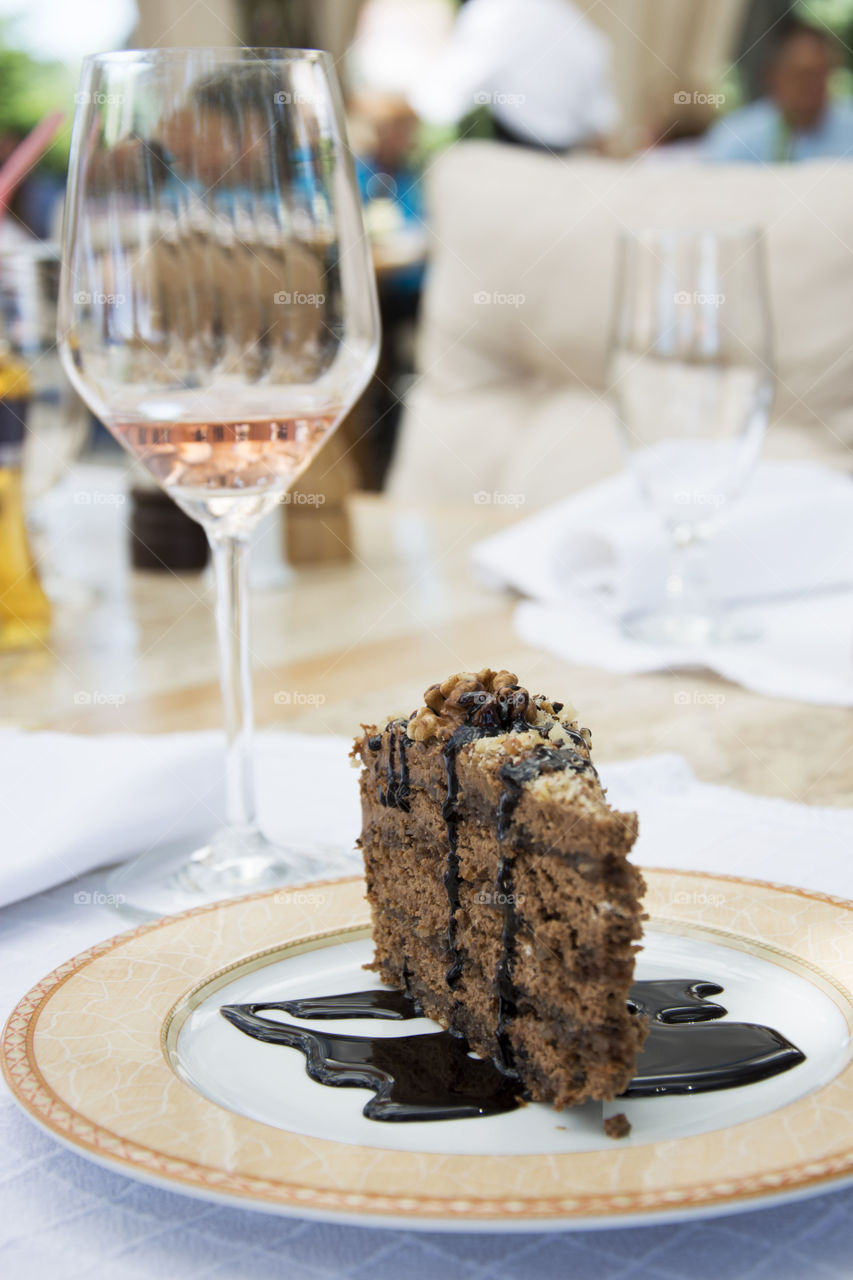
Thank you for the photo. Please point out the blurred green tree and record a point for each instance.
(29, 89)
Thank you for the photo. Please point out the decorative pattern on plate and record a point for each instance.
(83, 1055)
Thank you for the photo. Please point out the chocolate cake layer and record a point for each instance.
(499, 883)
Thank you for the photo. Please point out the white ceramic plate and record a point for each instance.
(123, 1053)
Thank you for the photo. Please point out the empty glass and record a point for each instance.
(690, 377)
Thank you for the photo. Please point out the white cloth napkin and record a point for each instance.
(63, 1217)
(783, 557)
(71, 803)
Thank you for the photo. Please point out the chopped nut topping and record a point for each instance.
(492, 700)
(423, 725)
(494, 703)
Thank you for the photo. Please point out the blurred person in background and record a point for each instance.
(388, 170)
(676, 126)
(386, 166)
(797, 119)
(539, 66)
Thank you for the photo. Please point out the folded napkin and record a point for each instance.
(790, 532)
(72, 803)
(783, 556)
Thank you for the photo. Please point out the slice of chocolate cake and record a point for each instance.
(499, 883)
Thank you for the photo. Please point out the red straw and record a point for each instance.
(27, 154)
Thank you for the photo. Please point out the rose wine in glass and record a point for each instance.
(218, 312)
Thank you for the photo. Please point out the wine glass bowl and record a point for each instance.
(690, 375)
(218, 313)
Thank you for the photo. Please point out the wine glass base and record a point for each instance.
(175, 878)
(689, 631)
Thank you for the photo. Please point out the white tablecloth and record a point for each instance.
(63, 1218)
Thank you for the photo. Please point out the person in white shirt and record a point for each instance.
(540, 66)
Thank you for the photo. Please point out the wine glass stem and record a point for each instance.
(688, 590)
(231, 571)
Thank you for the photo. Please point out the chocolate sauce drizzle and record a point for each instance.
(488, 714)
(465, 733)
(433, 1076)
(397, 792)
(513, 776)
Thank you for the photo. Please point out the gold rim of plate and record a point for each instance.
(86, 1053)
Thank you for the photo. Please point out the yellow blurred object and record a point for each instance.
(24, 607)
(15, 385)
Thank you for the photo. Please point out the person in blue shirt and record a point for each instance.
(797, 119)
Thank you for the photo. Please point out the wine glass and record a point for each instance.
(218, 312)
(690, 376)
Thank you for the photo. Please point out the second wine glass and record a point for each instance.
(218, 313)
(690, 377)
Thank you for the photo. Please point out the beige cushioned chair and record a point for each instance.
(516, 314)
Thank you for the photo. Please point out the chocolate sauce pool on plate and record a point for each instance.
(434, 1077)
(428, 1077)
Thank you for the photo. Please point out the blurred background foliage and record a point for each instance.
(31, 87)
